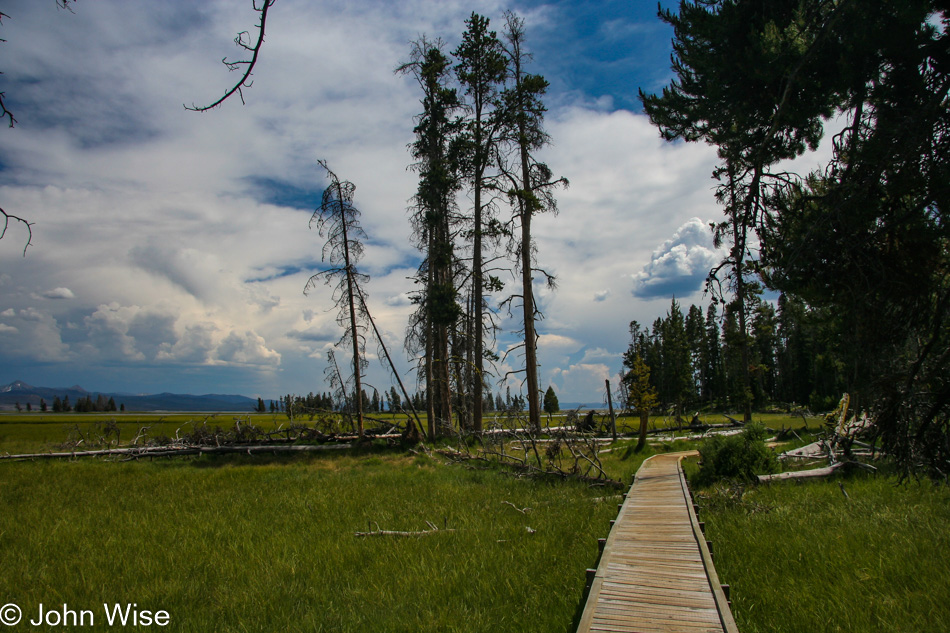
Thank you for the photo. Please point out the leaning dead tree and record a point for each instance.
(242, 41)
(338, 220)
(414, 427)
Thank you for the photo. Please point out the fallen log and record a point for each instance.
(802, 474)
(695, 427)
(816, 472)
(175, 451)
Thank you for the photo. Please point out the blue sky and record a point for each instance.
(171, 248)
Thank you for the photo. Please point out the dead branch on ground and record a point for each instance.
(380, 532)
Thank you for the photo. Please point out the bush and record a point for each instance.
(736, 457)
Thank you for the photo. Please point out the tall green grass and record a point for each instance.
(265, 544)
(804, 557)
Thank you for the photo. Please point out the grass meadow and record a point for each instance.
(268, 543)
(852, 553)
(242, 543)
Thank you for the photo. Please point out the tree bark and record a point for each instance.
(351, 292)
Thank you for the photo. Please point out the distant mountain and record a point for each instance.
(16, 386)
(22, 393)
(570, 406)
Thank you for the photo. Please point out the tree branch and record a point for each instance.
(250, 63)
(6, 223)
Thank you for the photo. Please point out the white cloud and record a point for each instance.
(164, 227)
(598, 354)
(580, 382)
(246, 348)
(556, 342)
(680, 266)
(38, 337)
(59, 293)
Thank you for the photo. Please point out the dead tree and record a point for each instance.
(338, 220)
(531, 188)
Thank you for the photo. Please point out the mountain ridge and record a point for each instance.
(19, 392)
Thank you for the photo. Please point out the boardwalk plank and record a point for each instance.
(655, 574)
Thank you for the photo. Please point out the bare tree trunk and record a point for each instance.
(610, 406)
(358, 395)
(389, 359)
(430, 352)
(530, 337)
(739, 233)
(527, 203)
(644, 421)
(478, 299)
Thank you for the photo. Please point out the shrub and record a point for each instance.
(736, 457)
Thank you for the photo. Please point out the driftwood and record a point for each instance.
(802, 474)
(175, 451)
(379, 532)
(521, 510)
(816, 472)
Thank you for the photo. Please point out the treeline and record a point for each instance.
(83, 405)
(695, 359)
(311, 405)
(864, 240)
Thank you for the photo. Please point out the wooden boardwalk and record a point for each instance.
(656, 573)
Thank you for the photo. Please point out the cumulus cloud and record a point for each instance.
(578, 382)
(107, 331)
(59, 293)
(194, 347)
(246, 348)
(559, 343)
(179, 246)
(680, 266)
(36, 335)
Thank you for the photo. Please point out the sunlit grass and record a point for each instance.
(804, 557)
(267, 544)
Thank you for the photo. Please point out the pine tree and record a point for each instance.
(676, 366)
(641, 395)
(437, 153)
(551, 405)
(481, 71)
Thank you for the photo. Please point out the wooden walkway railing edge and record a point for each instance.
(722, 601)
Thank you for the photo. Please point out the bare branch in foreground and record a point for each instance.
(8, 216)
(255, 50)
(378, 532)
